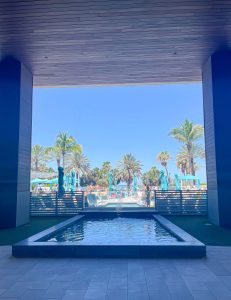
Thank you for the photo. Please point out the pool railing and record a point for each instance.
(192, 202)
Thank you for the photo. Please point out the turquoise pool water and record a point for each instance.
(117, 231)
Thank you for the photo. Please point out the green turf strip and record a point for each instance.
(36, 224)
(198, 226)
(203, 230)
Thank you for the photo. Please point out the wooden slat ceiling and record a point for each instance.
(88, 42)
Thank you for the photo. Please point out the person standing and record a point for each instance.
(148, 194)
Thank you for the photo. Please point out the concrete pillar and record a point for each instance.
(15, 142)
(217, 116)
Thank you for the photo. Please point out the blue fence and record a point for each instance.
(192, 202)
(53, 204)
(165, 202)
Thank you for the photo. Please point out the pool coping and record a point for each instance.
(187, 247)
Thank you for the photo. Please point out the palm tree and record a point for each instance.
(66, 143)
(38, 156)
(128, 167)
(116, 177)
(103, 179)
(151, 177)
(106, 167)
(54, 153)
(182, 163)
(164, 157)
(188, 133)
(80, 163)
(182, 159)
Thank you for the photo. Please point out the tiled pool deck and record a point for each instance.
(116, 279)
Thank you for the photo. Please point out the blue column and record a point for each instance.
(217, 116)
(15, 142)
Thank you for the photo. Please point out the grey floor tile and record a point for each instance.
(61, 284)
(64, 277)
(72, 294)
(99, 285)
(32, 294)
(35, 276)
(136, 276)
(137, 290)
(219, 290)
(118, 283)
(6, 283)
(79, 284)
(42, 284)
(178, 290)
(2, 298)
(139, 286)
(203, 295)
(114, 294)
(194, 284)
(160, 294)
(85, 276)
(16, 290)
(104, 279)
(96, 294)
(226, 280)
(156, 284)
(110, 279)
(2, 291)
(97, 289)
(119, 273)
(54, 293)
(218, 268)
(137, 295)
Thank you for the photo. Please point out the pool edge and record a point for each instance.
(189, 248)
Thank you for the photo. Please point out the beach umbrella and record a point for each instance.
(61, 189)
(38, 181)
(73, 181)
(67, 180)
(110, 181)
(189, 177)
(163, 181)
(53, 181)
(177, 182)
(35, 181)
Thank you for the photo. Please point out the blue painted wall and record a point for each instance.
(15, 142)
(217, 112)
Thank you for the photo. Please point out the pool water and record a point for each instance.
(117, 231)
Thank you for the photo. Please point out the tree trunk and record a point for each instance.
(58, 162)
(190, 158)
(77, 175)
(191, 164)
(36, 165)
(64, 162)
(129, 182)
(185, 168)
(166, 169)
(193, 168)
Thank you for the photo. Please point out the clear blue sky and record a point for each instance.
(112, 121)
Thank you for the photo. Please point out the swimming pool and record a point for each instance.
(107, 235)
(114, 231)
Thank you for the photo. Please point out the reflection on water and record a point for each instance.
(115, 231)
